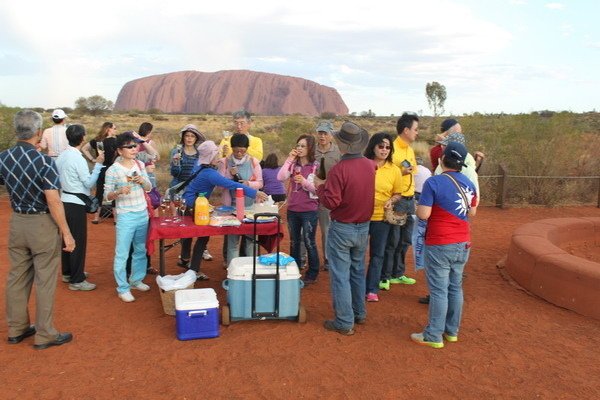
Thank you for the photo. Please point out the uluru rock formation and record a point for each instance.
(227, 91)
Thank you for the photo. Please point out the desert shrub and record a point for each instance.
(158, 117)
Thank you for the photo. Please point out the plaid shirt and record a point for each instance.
(27, 173)
(116, 177)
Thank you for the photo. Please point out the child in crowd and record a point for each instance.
(271, 185)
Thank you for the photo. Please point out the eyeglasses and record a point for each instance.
(129, 146)
(383, 146)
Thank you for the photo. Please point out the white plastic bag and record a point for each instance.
(174, 282)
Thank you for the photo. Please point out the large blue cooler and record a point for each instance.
(239, 289)
(197, 313)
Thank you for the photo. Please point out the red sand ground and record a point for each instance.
(512, 345)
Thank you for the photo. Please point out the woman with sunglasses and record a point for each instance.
(388, 186)
(126, 181)
(302, 215)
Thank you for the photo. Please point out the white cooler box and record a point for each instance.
(239, 289)
(197, 313)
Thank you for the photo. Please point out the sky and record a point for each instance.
(512, 56)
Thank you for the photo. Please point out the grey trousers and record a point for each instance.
(34, 247)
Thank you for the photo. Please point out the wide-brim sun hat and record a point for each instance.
(351, 138)
(207, 152)
(193, 129)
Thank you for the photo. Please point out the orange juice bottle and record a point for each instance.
(201, 210)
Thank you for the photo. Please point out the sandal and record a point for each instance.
(152, 271)
(95, 222)
(201, 276)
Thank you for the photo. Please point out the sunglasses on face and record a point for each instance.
(129, 146)
(384, 146)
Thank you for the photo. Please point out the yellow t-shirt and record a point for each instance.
(388, 181)
(255, 148)
(402, 151)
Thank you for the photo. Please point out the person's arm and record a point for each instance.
(85, 150)
(43, 144)
(57, 211)
(216, 179)
(83, 174)
(330, 192)
(423, 212)
(149, 146)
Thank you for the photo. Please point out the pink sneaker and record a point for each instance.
(372, 297)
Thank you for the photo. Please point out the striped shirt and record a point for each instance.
(54, 139)
(116, 177)
(27, 173)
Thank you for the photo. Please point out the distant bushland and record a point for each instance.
(534, 145)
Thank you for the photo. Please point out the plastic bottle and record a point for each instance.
(201, 210)
(239, 203)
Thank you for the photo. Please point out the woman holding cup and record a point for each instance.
(300, 168)
(184, 156)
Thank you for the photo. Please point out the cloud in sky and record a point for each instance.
(555, 6)
(378, 55)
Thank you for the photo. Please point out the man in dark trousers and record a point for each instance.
(34, 241)
(349, 192)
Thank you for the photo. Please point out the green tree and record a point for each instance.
(93, 105)
(436, 97)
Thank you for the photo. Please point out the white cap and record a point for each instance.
(59, 114)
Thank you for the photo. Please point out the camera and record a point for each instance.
(237, 178)
(406, 164)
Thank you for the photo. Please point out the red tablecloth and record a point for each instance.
(173, 230)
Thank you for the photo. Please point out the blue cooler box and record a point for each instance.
(197, 313)
(239, 289)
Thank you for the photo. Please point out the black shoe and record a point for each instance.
(360, 321)
(331, 327)
(424, 300)
(183, 263)
(62, 338)
(18, 339)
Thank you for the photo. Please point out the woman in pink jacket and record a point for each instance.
(302, 216)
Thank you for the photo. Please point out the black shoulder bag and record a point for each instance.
(91, 202)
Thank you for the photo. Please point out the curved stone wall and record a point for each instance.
(537, 262)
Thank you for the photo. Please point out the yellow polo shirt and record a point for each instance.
(388, 181)
(403, 151)
(255, 148)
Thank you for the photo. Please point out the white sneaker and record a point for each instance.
(206, 255)
(127, 297)
(141, 286)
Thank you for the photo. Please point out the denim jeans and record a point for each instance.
(444, 265)
(399, 240)
(346, 246)
(378, 234)
(132, 228)
(233, 246)
(303, 228)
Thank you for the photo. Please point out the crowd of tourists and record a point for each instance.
(359, 190)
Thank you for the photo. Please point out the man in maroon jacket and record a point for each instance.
(349, 193)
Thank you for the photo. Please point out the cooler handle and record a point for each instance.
(225, 284)
(197, 314)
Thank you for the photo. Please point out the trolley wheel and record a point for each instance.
(301, 314)
(225, 318)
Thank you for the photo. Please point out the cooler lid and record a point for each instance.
(194, 299)
(240, 268)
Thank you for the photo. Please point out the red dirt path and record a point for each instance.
(512, 345)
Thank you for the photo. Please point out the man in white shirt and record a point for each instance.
(54, 139)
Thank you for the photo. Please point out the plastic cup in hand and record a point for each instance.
(100, 146)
